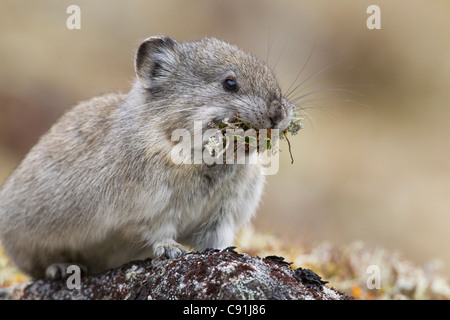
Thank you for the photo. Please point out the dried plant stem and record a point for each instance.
(289, 145)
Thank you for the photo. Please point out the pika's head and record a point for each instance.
(210, 80)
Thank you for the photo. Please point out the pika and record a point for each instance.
(99, 189)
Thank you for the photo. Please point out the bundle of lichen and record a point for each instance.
(294, 127)
(240, 133)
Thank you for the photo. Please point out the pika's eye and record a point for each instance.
(230, 85)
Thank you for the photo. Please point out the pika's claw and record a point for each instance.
(168, 250)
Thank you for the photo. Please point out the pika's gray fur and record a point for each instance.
(99, 188)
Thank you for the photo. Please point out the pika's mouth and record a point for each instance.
(235, 122)
(235, 130)
(239, 135)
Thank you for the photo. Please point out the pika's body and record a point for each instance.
(100, 189)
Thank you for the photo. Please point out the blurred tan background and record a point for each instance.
(371, 164)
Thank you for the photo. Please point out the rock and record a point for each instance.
(213, 274)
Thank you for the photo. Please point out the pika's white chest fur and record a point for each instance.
(201, 212)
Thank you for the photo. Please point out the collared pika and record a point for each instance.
(99, 189)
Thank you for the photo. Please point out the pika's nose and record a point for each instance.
(276, 113)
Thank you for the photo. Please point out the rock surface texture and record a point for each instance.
(213, 274)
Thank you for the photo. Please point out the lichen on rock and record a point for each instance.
(210, 275)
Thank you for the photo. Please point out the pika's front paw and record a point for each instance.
(168, 250)
(58, 271)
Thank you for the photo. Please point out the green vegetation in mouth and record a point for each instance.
(216, 149)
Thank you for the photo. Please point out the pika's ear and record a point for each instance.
(155, 60)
